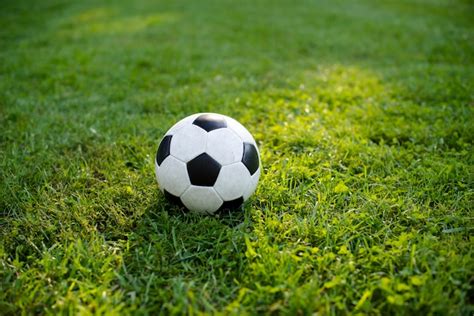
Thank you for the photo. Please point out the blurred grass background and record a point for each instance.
(363, 111)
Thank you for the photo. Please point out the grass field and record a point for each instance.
(363, 112)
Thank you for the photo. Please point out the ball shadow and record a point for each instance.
(232, 216)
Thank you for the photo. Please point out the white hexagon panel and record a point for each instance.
(188, 142)
(252, 186)
(232, 181)
(240, 130)
(172, 176)
(224, 146)
(201, 199)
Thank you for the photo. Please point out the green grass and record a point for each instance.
(363, 112)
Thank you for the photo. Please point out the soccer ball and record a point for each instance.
(208, 162)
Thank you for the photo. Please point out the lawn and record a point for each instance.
(364, 116)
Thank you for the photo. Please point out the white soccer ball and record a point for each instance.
(208, 162)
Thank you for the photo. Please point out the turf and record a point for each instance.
(363, 112)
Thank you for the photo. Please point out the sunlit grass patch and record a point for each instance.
(105, 22)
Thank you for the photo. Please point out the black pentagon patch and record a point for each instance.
(209, 122)
(229, 206)
(163, 149)
(173, 199)
(250, 158)
(203, 170)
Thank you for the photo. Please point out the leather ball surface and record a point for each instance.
(208, 162)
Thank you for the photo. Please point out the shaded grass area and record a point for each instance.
(363, 114)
